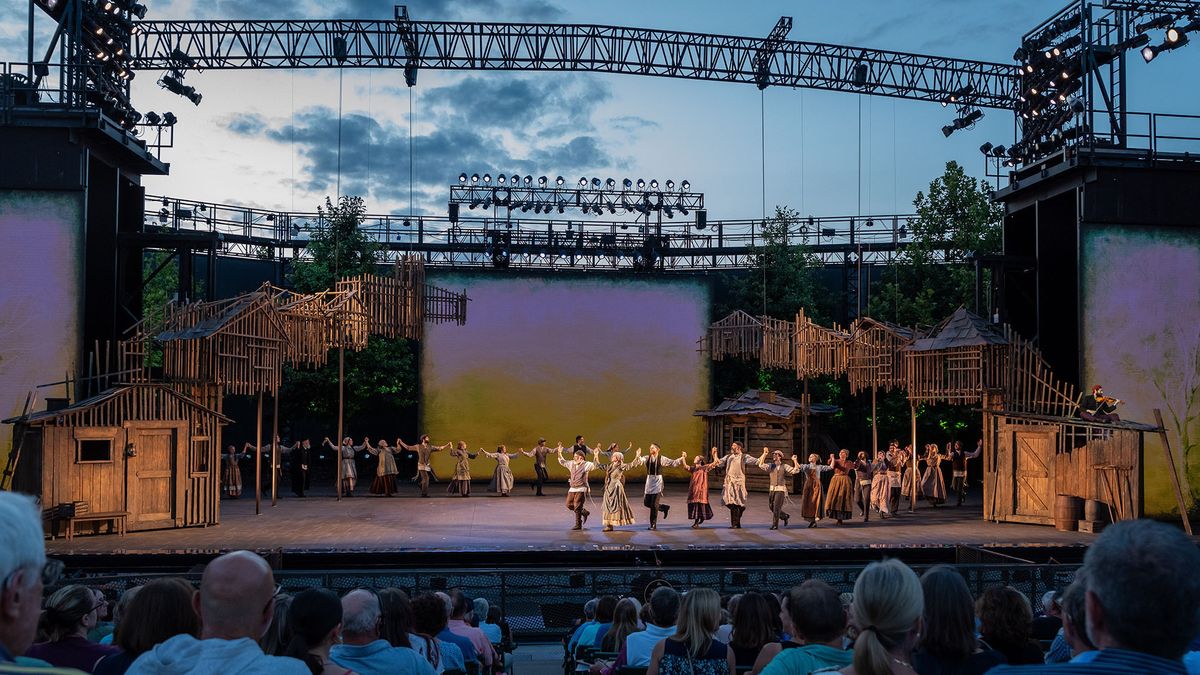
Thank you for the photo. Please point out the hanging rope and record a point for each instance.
(370, 135)
(292, 141)
(410, 153)
(339, 138)
(803, 157)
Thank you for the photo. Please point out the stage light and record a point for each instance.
(462, 178)
(582, 181)
(682, 209)
(474, 178)
(173, 85)
(596, 183)
(653, 183)
(610, 184)
(561, 208)
(501, 179)
(999, 151)
(559, 180)
(541, 181)
(641, 183)
(627, 183)
(685, 186)
(1175, 32)
(961, 93)
(667, 210)
(986, 148)
(671, 185)
(514, 180)
(487, 178)
(152, 118)
(1133, 42)
(529, 181)
(1152, 24)
(1176, 38)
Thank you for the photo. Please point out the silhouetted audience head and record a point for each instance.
(699, 614)
(1005, 624)
(1073, 605)
(279, 634)
(625, 621)
(605, 608)
(156, 612)
(887, 610)
(429, 615)
(315, 617)
(753, 623)
(70, 611)
(236, 597)
(397, 617)
(361, 616)
(815, 612)
(664, 606)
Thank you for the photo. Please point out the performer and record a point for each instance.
(346, 455)
(615, 505)
(810, 494)
(1100, 408)
(275, 462)
(895, 465)
(839, 501)
(958, 468)
(911, 481)
(301, 456)
(578, 469)
(502, 477)
(231, 474)
(733, 492)
(778, 470)
(864, 474)
(933, 483)
(424, 450)
(652, 498)
(385, 472)
(697, 501)
(462, 470)
(880, 485)
(538, 453)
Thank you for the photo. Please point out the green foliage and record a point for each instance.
(381, 380)
(955, 220)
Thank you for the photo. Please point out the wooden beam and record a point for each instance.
(341, 411)
(912, 502)
(1162, 432)
(258, 460)
(276, 464)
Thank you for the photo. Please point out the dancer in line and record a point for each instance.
(462, 470)
(895, 466)
(911, 481)
(697, 501)
(839, 501)
(733, 491)
(424, 450)
(958, 468)
(578, 469)
(346, 455)
(778, 470)
(933, 483)
(615, 509)
(538, 453)
(301, 455)
(864, 474)
(385, 471)
(231, 474)
(880, 486)
(275, 461)
(652, 498)
(810, 494)
(502, 477)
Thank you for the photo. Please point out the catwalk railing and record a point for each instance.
(545, 602)
(536, 242)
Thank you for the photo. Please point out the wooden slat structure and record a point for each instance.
(819, 350)
(875, 355)
(738, 335)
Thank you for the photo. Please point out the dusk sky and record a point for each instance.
(268, 138)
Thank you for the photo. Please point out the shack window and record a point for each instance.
(95, 450)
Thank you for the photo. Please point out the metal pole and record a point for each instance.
(258, 460)
(341, 411)
(275, 462)
(29, 68)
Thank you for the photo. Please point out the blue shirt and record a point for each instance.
(578, 633)
(380, 658)
(463, 643)
(1107, 662)
(601, 631)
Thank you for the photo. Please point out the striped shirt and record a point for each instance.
(1107, 662)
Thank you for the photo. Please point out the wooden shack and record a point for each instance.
(875, 355)
(961, 358)
(143, 449)
(1033, 459)
(759, 419)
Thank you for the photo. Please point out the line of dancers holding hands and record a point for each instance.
(875, 484)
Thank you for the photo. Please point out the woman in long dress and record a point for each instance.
(733, 491)
(839, 501)
(697, 501)
(462, 470)
(385, 473)
(933, 483)
(615, 508)
(502, 477)
(231, 473)
(346, 453)
(912, 476)
(880, 490)
(810, 494)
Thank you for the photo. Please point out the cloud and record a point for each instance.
(631, 124)
(544, 106)
(251, 124)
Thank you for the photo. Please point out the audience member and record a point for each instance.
(1047, 623)
(483, 615)
(429, 619)
(496, 618)
(24, 572)
(235, 603)
(460, 612)
(479, 608)
(753, 627)
(625, 623)
(948, 644)
(1072, 643)
(887, 609)
(604, 617)
(465, 646)
(362, 650)
(692, 650)
(725, 632)
(119, 610)
(1141, 600)
(589, 620)
(397, 623)
(664, 610)
(315, 619)
(105, 618)
(1005, 619)
(157, 612)
(279, 634)
(788, 639)
(70, 613)
(817, 620)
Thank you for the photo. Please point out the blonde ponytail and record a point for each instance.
(887, 602)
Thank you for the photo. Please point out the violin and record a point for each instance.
(1108, 400)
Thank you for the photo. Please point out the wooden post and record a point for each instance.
(804, 406)
(341, 410)
(874, 427)
(912, 502)
(258, 460)
(1162, 433)
(275, 460)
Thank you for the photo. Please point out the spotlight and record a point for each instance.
(561, 208)
(501, 179)
(999, 151)
(962, 93)
(474, 178)
(1175, 33)
(1133, 42)
(514, 180)
(559, 180)
(596, 183)
(682, 209)
(653, 183)
(685, 186)
(610, 184)
(1150, 52)
(462, 178)
(1176, 37)
(529, 180)
(153, 119)
(1156, 22)
(487, 178)
(671, 185)
(627, 183)
(641, 183)
(986, 148)
(541, 181)
(582, 181)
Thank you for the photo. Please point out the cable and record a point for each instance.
(339, 139)
(292, 141)
(410, 153)
(370, 136)
(762, 135)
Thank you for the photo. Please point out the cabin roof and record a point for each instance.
(960, 329)
(751, 403)
(220, 314)
(45, 416)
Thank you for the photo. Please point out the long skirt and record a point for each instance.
(699, 511)
(933, 485)
(910, 478)
(733, 493)
(383, 485)
(880, 493)
(460, 486)
(502, 480)
(616, 509)
(839, 502)
(810, 498)
(232, 479)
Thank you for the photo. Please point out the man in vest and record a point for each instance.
(654, 482)
(578, 469)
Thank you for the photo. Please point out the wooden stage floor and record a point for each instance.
(528, 526)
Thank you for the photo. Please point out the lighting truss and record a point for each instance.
(586, 199)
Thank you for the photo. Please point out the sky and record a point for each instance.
(269, 138)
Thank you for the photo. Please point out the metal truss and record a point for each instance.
(442, 45)
(585, 199)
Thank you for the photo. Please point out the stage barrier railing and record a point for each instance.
(542, 603)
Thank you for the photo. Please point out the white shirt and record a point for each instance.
(639, 645)
(654, 483)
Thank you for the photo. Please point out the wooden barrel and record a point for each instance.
(1067, 510)
(1095, 511)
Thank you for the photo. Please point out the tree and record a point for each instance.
(381, 380)
(932, 276)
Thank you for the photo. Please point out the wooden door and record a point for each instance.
(151, 477)
(1034, 484)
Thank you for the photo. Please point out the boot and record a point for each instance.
(578, 523)
(774, 523)
(585, 513)
(653, 521)
(665, 508)
(608, 528)
(785, 518)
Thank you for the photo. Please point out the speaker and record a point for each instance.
(454, 212)
(701, 219)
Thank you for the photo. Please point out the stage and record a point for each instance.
(319, 532)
